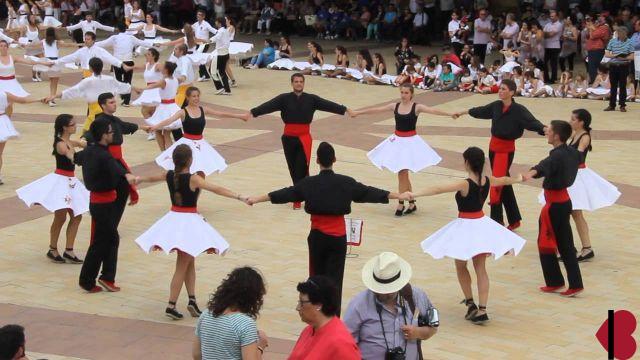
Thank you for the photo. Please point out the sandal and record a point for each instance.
(71, 258)
(400, 211)
(55, 258)
(411, 208)
(585, 254)
(480, 319)
(472, 308)
(171, 311)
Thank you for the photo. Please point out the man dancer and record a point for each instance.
(508, 122)
(222, 39)
(328, 198)
(89, 25)
(201, 31)
(89, 51)
(559, 170)
(102, 174)
(297, 109)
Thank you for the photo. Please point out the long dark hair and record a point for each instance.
(585, 116)
(181, 157)
(50, 36)
(366, 55)
(62, 120)
(474, 156)
(243, 290)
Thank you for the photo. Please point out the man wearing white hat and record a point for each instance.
(390, 318)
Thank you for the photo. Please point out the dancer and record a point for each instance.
(508, 122)
(7, 131)
(88, 25)
(589, 191)
(8, 82)
(91, 88)
(31, 33)
(136, 17)
(328, 197)
(559, 170)
(206, 159)
(183, 228)
(162, 93)
(297, 109)
(86, 53)
(201, 30)
(472, 235)
(12, 17)
(150, 31)
(222, 40)
(61, 192)
(49, 19)
(102, 175)
(231, 29)
(405, 150)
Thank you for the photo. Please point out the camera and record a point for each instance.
(396, 353)
(432, 319)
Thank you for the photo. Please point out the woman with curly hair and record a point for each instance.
(227, 330)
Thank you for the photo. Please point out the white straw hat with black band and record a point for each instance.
(386, 273)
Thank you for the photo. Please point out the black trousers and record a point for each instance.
(594, 58)
(507, 199)
(551, 62)
(203, 68)
(296, 158)
(560, 214)
(481, 51)
(221, 68)
(103, 249)
(125, 77)
(326, 257)
(618, 78)
(570, 61)
(122, 194)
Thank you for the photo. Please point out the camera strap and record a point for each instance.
(407, 293)
(404, 315)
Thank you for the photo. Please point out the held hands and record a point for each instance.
(247, 117)
(352, 113)
(127, 67)
(131, 179)
(456, 115)
(406, 196)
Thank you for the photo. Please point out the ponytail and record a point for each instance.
(474, 156)
(181, 158)
(61, 121)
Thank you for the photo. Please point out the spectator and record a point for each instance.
(405, 23)
(429, 7)
(218, 8)
(379, 69)
(510, 31)
(524, 39)
(325, 337)
(430, 75)
(537, 43)
(12, 343)
(250, 21)
(535, 87)
(266, 56)
(481, 34)
(266, 16)
(466, 55)
(620, 52)
(635, 40)
(487, 84)
(552, 33)
(403, 54)
(449, 57)
(578, 88)
(446, 9)
(455, 37)
(419, 26)
(227, 330)
(597, 38)
(569, 44)
(389, 23)
(466, 81)
(365, 19)
(284, 48)
(381, 318)
(322, 20)
(373, 29)
(447, 80)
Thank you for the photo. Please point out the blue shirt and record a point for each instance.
(389, 16)
(223, 337)
(635, 40)
(618, 47)
(269, 54)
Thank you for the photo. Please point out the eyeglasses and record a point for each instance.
(302, 302)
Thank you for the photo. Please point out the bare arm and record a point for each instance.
(251, 352)
(158, 84)
(224, 114)
(21, 100)
(164, 29)
(63, 149)
(163, 123)
(461, 185)
(198, 182)
(61, 43)
(176, 42)
(374, 110)
(196, 350)
(420, 108)
(585, 141)
(152, 178)
(505, 180)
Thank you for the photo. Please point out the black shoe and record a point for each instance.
(480, 319)
(172, 312)
(472, 308)
(589, 255)
(55, 258)
(400, 212)
(193, 309)
(72, 259)
(411, 209)
(610, 108)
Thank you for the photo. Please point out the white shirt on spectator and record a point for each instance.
(413, 6)
(478, 36)
(553, 42)
(453, 26)
(420, 19)
(510, 34)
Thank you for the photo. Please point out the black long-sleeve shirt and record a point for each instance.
(298, 109)
(100, 171)
(559, 169)
(508, 125)
(118, 126)
(329, 193)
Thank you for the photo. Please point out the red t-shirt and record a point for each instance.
(333, 341)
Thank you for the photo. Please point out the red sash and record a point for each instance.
(582, 166)
(471, 215)
(502, 149)
(405, 133)
(302, 132)
(10, 77)
(116, 152)
(102, 197)
(168, 101)
(192, 136)
(184, 209)
(547, 243)
(68, 173)
(329, 224)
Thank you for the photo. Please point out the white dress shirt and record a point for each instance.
(185, 68)
(87, 26)
(510, 33)
(83, 55)
(91, 87)
(201, 30)
(454, 25)
(553, 42)
(222, 39)
(123, 45)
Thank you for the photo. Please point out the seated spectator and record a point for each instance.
(601, 86)
(266, 16)
(466, 81)
(315, 58)
(530, 65)
(430, 75)
(566, 79)
(341, 64)
(450, 57)
(363, 64)
(535, 87)
(284, 48)
(381, 319)
(466, 55)
(631, 89)
(474, 68)
(403, 54)
(447, 80)
(494, 70)
(518, 78)
(373, 29)
(250, 20)
(487, 84)
(325, 336)
(12, 343)
(266, 56)
(578, 87)
(379, 70)
(322, 19)
(405, 23)
(389, 23)
(227, 330)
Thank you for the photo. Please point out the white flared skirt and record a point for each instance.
(398, 153)
(7, 131)
(205, 157)
(13, 87)
(589, 191)
(50, 21)
(463, 239)
(55, 192)
(187, 232)
(163, 112)
(149, 97)
(281, 64)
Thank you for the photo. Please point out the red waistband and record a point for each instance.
(168, 101)
(116, 151)
(329, 224)
(296, 129)
(582, 166)
(471, 215)
(69, 173)
(192, 136)
(556, 196)
(10, 77)
(501, 145)
(101, 197)
(184, 209)
(405, 133)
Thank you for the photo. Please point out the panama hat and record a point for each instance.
(386, 273)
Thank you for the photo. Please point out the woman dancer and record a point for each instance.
(12, 17)
(49, 19)
(23, 12)
(206, 159)
(231, 29)
(472, 235)
(183, 228)
(60, 192)
(137, 16)
(7, 131)
(589, 191)
(8, 82)
(150, 31)
(31, 32)
(405, 150)
(158, 98)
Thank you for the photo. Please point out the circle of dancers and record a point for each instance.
(171, 108)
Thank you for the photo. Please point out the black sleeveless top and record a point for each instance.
(406, 122)
(384, 71)
(474, 201)
(182, 194)
(62, 162)
(315, 59)
(583, 154)
(193, 126)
